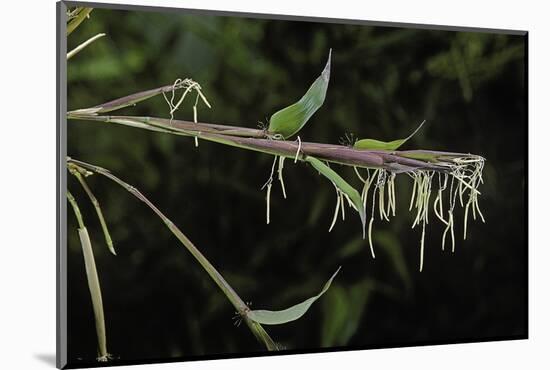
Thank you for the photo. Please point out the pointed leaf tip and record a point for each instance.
(267, 317)
(372, 144)
(326, 70)
(288, 121)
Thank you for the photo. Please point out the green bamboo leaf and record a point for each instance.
(80, 14)
(341, 184)
(95, 292)
(290, 314)
(373, 144)
(93, 281)
(288, 121)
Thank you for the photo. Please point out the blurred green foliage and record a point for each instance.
(469, 86)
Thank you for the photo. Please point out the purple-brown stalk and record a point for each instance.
(262, 141)
(459, 172)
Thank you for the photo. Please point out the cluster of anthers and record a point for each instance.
(462, 177)
(187, 84)
(281, 163)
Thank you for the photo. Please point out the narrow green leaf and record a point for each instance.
(95, 292)
(341, 184)
(93, 281)
(373, 144)
(290, 314)
(288, 121)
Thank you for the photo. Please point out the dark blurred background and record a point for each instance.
(159, 303)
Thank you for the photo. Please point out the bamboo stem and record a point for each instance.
(229, 292)
(260, 141)
(264, 141)
(97, 207)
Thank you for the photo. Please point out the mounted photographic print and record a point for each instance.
(235, 185)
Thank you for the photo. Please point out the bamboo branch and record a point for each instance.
(260, 141)
(241, 307)
(97, 207)
(265, 142)
(81, 14)
(135, 98)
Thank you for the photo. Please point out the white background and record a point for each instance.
(27, 183)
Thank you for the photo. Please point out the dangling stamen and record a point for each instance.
(270, 179)
(298, 151)
(415, 185)
(438, 211)
(381, 184)
(451, 216)
(392, 179)
(391, 194)
(367, 186)
(479, 211)
(342, 205)
(280, 174)
(192, 84)
(359, 175)
(371, 221)
(335, 210)
(420, 194)
(422, 246)
(466, 219)
(422, 204)
(452, 232)
(350, 203)
(171, 101)
(450, 226)
(460, 191)
(267, 197)
(268, 184)
(427, 198)
(381, 202)
(195, 118)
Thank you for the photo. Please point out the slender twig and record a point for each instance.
(97, 207)
(241, 307)
(135, 98)
(80, 47)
